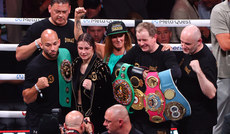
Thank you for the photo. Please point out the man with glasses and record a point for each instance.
(198, 83)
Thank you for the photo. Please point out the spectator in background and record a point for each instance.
(183, 9)
(220, 26)
(164, 35)
(97, 32)
(117, 121)
(204, 10)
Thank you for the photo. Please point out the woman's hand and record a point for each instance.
(87, 84)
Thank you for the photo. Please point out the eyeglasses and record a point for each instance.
(108, 121)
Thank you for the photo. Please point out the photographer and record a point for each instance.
(75, 123)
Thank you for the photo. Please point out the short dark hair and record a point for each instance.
(59, 1)
(87, 38)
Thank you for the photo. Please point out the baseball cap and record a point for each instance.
(116, 27)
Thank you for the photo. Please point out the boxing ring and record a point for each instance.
(86, 22)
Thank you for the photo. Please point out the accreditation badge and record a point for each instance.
(66, 70)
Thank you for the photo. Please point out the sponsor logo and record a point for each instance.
(20, 76)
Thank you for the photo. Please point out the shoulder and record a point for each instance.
(41, 22)
(135, 131)
(35, 63)
(219, 6)
(101, 65)
(70, 23)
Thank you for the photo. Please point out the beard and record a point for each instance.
(51, 56)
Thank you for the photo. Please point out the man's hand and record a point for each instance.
(166, 47)
(195, 66)
(79, 13)
(42, 83)
(88, 125)
(145, 74)
(87, 83)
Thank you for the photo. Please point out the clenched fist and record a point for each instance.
(42, 83)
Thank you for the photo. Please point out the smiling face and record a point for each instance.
(85, 51)
(59, 13)
(118, 41)
(145, 41)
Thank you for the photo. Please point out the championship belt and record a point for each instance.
(137, 82)
(177, 106)
(122, 89)
(154, 101)
(65, 77)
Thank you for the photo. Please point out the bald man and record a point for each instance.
(198, 83)
(41, 86)
(74, 123)
(117, 121)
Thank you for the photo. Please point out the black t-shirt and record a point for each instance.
(156, 62)
(41, 67)
(65, 34)
(204, 110)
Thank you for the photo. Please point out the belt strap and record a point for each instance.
(177, 106)
(122, 88)
(154, 101)
(65, 77)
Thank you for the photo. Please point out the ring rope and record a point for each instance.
(4, 76)
(12, 47)
(12, 114)
(105, 22)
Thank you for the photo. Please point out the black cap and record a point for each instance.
(116, 27)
